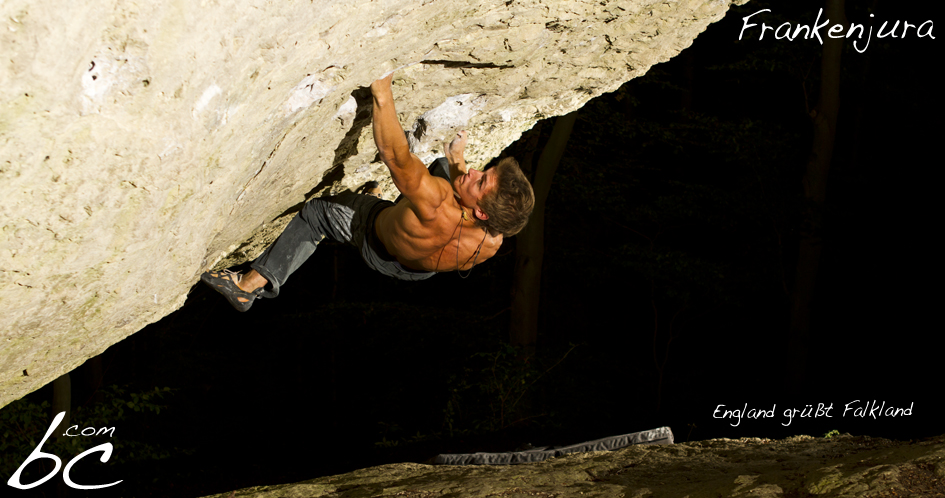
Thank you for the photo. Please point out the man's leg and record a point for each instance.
(271, 269)
(342, 218)
(228, 283)
(296, 244)
(335, 218)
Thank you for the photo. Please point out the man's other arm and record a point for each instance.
(408, 172)
(457, 164)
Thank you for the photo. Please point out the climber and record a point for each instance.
(450, 220)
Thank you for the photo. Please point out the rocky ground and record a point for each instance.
(841, 466)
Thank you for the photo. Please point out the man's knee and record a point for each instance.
(314, 213)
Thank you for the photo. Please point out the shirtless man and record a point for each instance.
(439, 225)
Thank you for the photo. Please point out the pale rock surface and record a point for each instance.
(840, 467)
(142, 143)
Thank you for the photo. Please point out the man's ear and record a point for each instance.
(479, 213)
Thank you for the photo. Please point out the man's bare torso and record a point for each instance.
(427, 230)
(440, 244)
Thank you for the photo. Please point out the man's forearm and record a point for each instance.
(388, 134)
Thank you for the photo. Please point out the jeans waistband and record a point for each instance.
(373, 241)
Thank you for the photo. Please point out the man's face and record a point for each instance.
(472, 186)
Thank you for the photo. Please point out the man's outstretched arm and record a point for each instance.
(407, 171)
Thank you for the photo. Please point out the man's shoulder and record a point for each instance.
(494, 242)
(433, 197)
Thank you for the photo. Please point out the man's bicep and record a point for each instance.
(406, 170)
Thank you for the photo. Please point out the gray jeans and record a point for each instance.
(348, 218)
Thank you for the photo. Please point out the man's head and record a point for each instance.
(501, 197)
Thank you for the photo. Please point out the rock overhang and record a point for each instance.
(141, 144)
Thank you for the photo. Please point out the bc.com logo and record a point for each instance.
(105, 448)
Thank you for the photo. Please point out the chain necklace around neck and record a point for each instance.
(460, 238)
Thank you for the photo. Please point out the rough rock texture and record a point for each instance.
(843, 466)
(142, 143)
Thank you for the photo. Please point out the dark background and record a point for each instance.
(670, 249)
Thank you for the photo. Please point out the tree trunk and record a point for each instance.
(62, 401)
(94, 377)
(824, 119)
(685, 96)
(861, 105)
(530, 245)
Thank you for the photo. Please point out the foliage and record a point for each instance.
(832, 433)
(394, 431)
(23, 424)
(671, 215)
(488, 395)
(696, 190)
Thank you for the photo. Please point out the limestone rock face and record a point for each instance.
(844, 466)
(141, 143)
